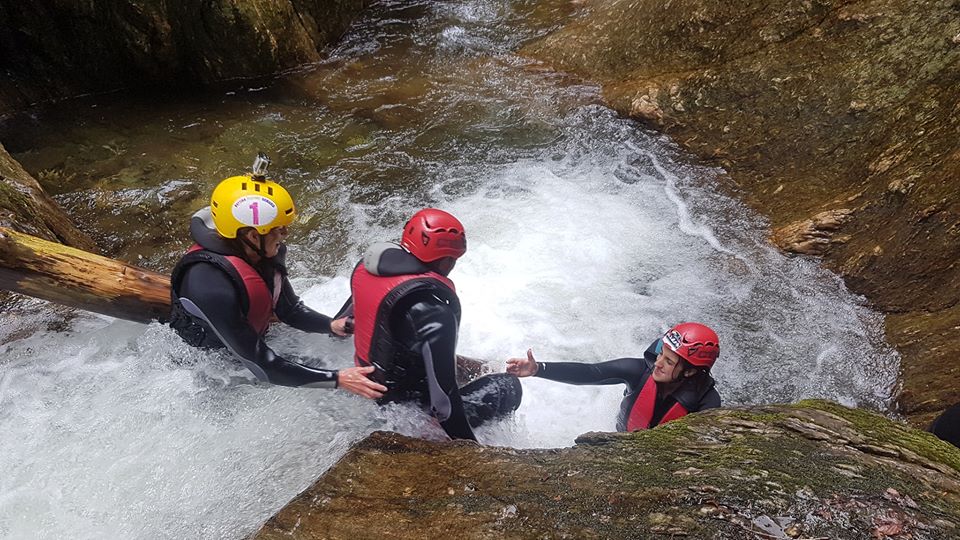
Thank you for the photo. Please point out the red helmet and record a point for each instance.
(433, 234)
(694, 342)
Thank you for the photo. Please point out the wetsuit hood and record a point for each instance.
(204, 233)
(386, 259)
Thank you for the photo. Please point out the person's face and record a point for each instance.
(668, 367)
(271, 240)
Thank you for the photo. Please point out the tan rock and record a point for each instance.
(827, 98)
(812, 236)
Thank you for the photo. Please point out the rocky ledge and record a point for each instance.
(811, 470)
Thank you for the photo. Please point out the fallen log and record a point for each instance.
(76, 278)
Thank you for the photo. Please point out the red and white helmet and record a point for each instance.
(694, 342)
(433, 234)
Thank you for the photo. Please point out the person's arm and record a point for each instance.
(619, 371)
(208, 294)
(436, 330)
(291, 310)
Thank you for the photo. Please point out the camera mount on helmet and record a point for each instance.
(260, 165)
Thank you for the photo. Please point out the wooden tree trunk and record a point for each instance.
(69, 276)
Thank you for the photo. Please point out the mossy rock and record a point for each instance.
(815, 469)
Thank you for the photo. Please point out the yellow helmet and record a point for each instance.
(250, 201)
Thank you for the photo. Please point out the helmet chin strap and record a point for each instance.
(259, 250)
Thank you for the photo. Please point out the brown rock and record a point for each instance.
(812, 236)
(54, 49)
(390, 486)
(25, 207)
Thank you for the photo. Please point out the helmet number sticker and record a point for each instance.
(254, 210)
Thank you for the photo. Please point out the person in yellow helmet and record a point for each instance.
(233, 281)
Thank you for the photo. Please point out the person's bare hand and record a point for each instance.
(355, 380)
(339, 327)
(523, 367)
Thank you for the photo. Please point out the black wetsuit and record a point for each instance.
(422, 329)
(696, 393)
(947, 425)
(428, 327)
(208, 311)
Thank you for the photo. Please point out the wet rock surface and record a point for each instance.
(813, 470)
(839, 120)
(25, 207)
(51, 50)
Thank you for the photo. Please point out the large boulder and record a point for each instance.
(838, 119)
(52, 49)
(813, 470)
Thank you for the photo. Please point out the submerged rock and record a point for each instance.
(813, 106)
(811, 470)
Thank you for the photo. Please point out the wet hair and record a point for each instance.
(700, 371)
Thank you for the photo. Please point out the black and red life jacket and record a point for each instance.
(642, 411)
(257, 299)
(396, 278)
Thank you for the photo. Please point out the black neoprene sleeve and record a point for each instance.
(619, 371)
(436, 329)
(213, 293)
(292, 311)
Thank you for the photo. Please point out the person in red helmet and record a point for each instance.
(671, 380)
(406, 317)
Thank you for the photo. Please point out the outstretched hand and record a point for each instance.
(355, 380)
(523, 367)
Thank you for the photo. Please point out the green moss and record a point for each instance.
(747, 465)
(19, 204)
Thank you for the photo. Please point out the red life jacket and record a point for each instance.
(374, 298)
(642, 412)
(259, 302)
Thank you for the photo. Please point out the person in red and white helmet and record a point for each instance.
(406, 317)
(671, 380)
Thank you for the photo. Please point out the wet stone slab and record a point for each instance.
(813, 470)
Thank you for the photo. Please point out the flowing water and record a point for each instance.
(588, 238)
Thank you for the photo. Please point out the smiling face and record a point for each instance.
(668, 367)
(272, 241)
